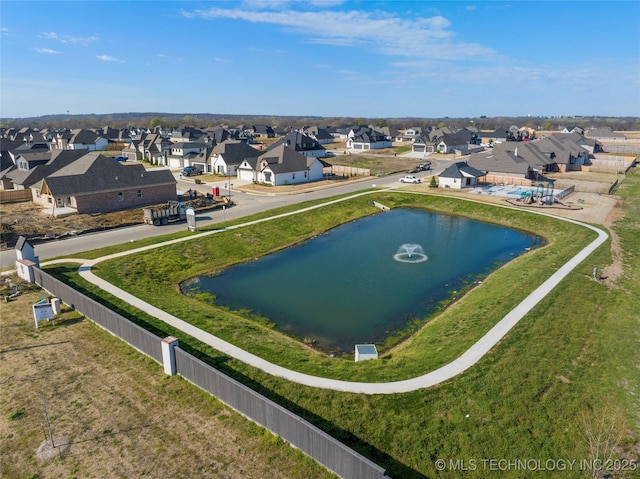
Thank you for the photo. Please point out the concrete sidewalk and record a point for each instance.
(457, 366)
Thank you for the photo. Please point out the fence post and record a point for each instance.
(169, 355)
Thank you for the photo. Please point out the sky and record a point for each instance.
(328, 58)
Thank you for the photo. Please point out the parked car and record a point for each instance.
(410, 179)
(191, 171)
(425, 167)
(120, 158)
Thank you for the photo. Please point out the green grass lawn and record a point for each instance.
(569, 364)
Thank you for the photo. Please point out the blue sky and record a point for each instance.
(370, 59)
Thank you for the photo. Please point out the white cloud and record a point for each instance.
(108, 58)
(70, 39)
(381, 32)
(282, 4)
(74, 40)
(221, 60)
(47, 50)
(49, 35)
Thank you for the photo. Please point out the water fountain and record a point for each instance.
(410, 253)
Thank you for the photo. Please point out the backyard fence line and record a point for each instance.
(299, 433)
(136, 336)
(350, 171)
(314, 442)
(15, 196)
(509, 180)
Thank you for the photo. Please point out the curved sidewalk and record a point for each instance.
(450, 370)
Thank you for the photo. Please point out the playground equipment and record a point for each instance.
(543, 194)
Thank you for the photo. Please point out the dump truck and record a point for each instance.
(171, 211)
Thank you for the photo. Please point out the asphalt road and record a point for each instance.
(245, 204)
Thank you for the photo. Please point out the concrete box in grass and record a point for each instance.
(366, 351)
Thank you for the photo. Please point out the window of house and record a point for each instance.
(293, 176)
(120, 196)
(139, 193)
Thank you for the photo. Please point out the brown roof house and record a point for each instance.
(97, 184)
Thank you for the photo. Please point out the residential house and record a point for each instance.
(423, 144)
(97, 184)
(187, 134)
(366, 138)
(240, 133)
(86, 140)
(6, 147)
(61, 139)
(532, 159)
(262, 131)
(605, 134)
(218, 134)
(445, 140)
(573, 129)
(343, 132)
(390, 133)
(458, 141)
(410, 134)
(301, 143)
(29, 171)
(504, 162)
(320, 134)
(227, 156)
(281, 166)
(499, 135)
(567, 150)
(183, 153)
(459, 175)
(152, 147)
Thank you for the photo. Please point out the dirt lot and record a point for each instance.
(28, 220)
(114, 414)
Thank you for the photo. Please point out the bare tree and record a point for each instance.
(603, 431)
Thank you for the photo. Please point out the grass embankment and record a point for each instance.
(569, 363)
(154, 276)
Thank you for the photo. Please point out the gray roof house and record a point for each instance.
(459, 175)
(28, 173)
(301, 143)
(556, 153)
(281, 166)
(366, 138)
(97, 184)
(86, 140)
(605, 134)
(227, 156)
(501, 161)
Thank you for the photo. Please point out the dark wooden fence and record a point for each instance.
(301, 434)
(136, 336)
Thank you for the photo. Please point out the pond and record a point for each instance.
(364, 280)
